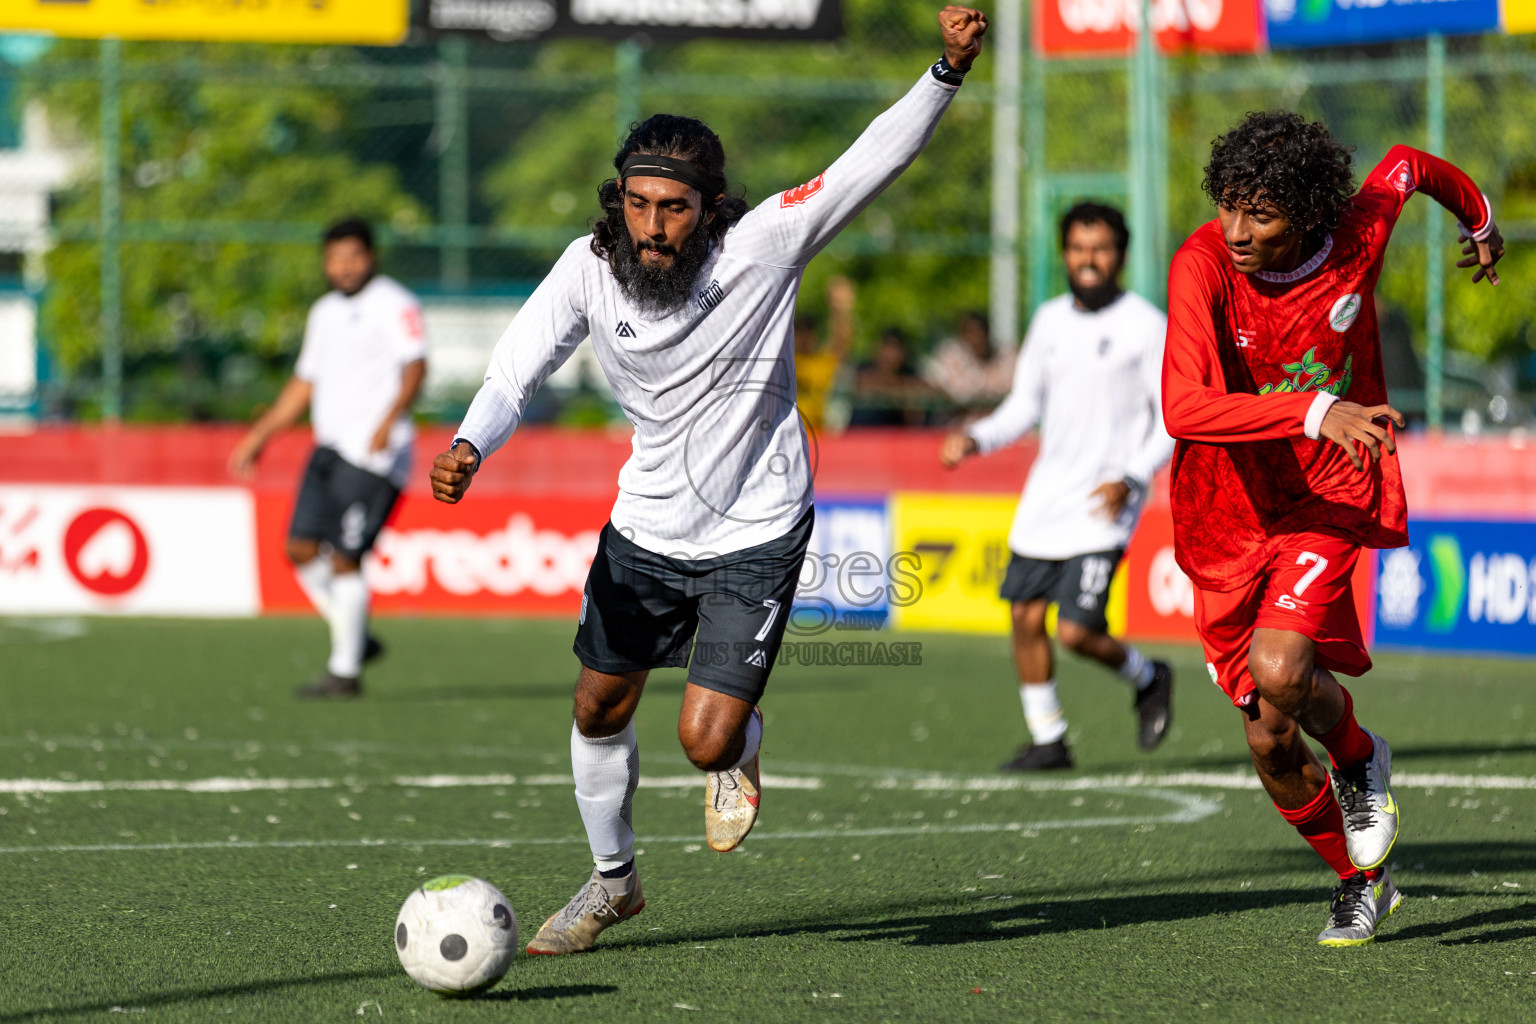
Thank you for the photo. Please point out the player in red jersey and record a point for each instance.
(1286, 464)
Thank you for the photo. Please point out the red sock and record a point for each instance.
(1347, 744)
(1321, 823)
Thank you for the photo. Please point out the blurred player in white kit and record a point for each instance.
(360, 369)
(1089, 378)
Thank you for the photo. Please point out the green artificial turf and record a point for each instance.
(892, 890)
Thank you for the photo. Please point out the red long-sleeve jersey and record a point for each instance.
(1248, 357)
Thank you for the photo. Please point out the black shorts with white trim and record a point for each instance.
(723, 618)
(1079, 586)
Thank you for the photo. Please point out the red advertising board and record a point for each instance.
(1101, 27)
(488, 555)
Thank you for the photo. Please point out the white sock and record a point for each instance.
(315, 578)
(1137, 670)
(348, 617)
(1042, 712)
(607, 771)
(754, 739)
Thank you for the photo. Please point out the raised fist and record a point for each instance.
(963, 28)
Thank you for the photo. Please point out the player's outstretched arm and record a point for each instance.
(1349, 425)
(289, 407)
(411, 378)
(1405, 170)
(792, 227)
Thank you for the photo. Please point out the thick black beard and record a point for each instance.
(1095, 298)
(656, 290)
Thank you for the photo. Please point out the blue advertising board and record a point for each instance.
(1460, 585)
(847, 579)
(1299, 23)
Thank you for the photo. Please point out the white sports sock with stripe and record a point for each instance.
(607, 770)
(348, 617)
(1137, 670)
(315, 578)
(1042, 712)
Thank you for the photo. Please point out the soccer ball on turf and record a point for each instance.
(456, 935)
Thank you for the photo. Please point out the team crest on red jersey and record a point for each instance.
(800, 193)
(1402, 178)
(1344, 313)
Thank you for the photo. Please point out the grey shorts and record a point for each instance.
(1078, 586)
(722, 618)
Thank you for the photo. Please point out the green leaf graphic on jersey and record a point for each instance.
(1450, 583)
(1311, 374)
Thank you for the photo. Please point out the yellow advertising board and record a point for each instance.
(960, 545)
(1519, 15)
(365, 22)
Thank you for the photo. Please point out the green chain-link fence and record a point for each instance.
(180, 254)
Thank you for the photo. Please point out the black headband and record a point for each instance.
(646, 165)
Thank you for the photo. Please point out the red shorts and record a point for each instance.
(1305, 589)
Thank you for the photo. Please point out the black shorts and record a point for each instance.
(641, 610)
(341, 504)
(1078, 586)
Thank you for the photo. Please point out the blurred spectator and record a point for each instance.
(817, 363)
(887, 391)
(972, 370)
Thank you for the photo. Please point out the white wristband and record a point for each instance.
(1320, 406)
(1487, 228)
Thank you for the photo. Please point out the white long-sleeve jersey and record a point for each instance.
(1092, 383)
(720, 459)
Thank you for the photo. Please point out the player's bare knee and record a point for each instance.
(342, 564)
(710, 747)
(604, 704)
(1028, 619)
(302, 550)
(1281, 678)
(1074, 636)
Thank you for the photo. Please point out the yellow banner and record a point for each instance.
(364, 22)
(1519, 16)
(961, 542)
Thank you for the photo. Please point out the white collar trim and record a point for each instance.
(1301, 271)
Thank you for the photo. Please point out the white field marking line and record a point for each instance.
(897, 778)
(237, 784)
(168, 743)
(1187, 808)
(914, 782)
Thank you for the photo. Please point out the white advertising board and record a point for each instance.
(127, 551)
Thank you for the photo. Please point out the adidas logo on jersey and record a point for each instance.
(758, 659)
(711, 297)
(624, 330)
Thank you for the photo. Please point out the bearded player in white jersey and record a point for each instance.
(689, 298)
(1089, 378)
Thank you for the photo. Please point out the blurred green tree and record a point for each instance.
(209, 326)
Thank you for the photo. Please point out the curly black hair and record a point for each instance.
(1276, 157)
(684, 138)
